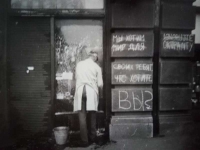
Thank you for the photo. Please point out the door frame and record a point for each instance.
(105, 67)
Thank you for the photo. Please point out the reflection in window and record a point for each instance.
(74, 39)
(57, 4)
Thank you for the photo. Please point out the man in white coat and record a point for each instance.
(89, 84)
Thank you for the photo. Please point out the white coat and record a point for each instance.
(88, 74)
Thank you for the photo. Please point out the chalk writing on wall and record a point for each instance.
(132, 72)
(132, 44)
(132, 99)
(176, 44)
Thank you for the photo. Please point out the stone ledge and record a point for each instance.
(131, 119)
(129, 131)
(128, 127)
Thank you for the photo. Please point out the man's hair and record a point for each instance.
(92, 53)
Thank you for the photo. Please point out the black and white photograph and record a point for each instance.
(99, 74)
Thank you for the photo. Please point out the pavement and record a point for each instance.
(168, 142)
(159, 143)
(184, 142)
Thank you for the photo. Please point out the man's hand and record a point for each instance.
(71, 99)
(72, 91)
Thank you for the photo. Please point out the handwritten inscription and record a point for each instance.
(132, 73)
(125, 66)
(128, 47)
(178, 37)
(128, 38)
(134, 78)
(177, 42)
(132, 100)
(132, 44)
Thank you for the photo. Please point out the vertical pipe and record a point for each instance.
(156, 69)
(7, 7)
(52, 70)
(107, 87)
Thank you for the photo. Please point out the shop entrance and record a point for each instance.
(74, 39)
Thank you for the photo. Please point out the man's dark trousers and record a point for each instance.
(87, 121)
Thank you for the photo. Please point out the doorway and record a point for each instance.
(74, 39)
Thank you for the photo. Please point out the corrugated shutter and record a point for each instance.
(3, 104)
(29, 92)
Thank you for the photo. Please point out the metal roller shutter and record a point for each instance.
(29, 90)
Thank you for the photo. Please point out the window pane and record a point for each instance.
(74, 39)
(57, 4)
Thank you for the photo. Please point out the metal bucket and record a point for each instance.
(61, 134)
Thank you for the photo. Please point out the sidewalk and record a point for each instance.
(160, 143)
(168, 142)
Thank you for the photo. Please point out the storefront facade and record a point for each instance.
(145, 50)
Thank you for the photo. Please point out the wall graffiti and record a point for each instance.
(177, 44)
(132, 99)
(132, 43)
(132, 72)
